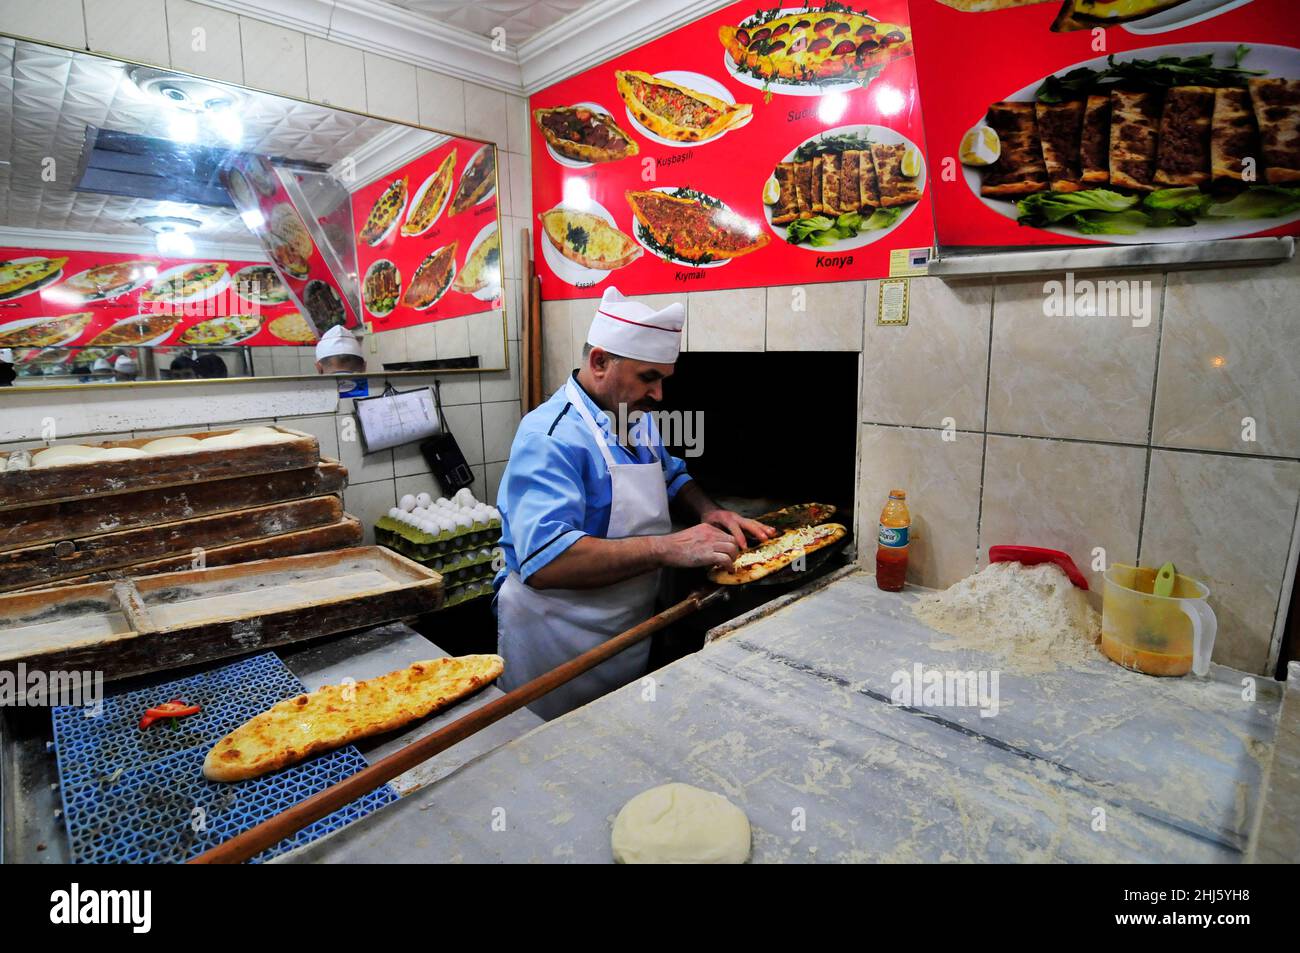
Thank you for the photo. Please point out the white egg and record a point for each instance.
(442, 501)
(423, 499)
(394, 512)
(463, 496)
(447, 525)
(464, 522)
(406, 503)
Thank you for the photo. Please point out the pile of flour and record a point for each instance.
(1031, 616)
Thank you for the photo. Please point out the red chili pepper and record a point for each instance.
(172, 709)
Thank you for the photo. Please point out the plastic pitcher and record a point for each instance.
(1158, 635)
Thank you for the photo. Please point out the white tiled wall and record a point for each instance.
(206, 41)
(1111, 438)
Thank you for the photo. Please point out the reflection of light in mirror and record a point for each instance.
(174, 243)
(889, 101)
(183, 127)
(253, 218)
(1218, 361)
(227, 125)
(832, 107)
(577, 194)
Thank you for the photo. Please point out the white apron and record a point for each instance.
(541, 629)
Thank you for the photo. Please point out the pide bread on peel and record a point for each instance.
(306, 725)
(775, 554)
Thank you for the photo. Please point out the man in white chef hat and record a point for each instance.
(125, 368)
(585, 510)
(339, 352)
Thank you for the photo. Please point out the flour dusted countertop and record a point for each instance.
(790, 717)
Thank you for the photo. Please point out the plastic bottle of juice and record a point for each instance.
(891, 551)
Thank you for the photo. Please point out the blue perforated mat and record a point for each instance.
(133, 796)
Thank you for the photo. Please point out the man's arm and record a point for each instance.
(697, 502)
(592, 562)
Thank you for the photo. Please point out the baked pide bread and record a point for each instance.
(482, 268)
(674, 111)
(47, 331)
(423, 214)
(692, 230)
(383, 213)
(814, 46)
(298, 728)
(17, 277)
(1090, 14)
(432, 278)
(1277, 112)
(588, 239)
(584, 134)
(775, 554)
(476, 181)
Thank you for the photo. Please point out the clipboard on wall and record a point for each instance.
(395, 417)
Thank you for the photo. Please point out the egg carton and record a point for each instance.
(418, 544)
(465, 559)
(471, 590)
(468, 574)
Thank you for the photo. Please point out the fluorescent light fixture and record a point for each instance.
(253, 218)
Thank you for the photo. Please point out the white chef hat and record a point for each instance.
(101, 364)
(6, 355)
(337, 340)
(126, 365)
(631, 329)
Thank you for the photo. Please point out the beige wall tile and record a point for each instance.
(220, 55)
(485, 114)
(409, 462)
(391, 89)
(494, 473)
(336, 74)
(452, 336)
(502, 385)
(557, 344)
(362, 467)
(733, 320)
(442, 101)
(323, 426)
(521, 183)
(466, 423)
(487, 338)
(936, 365)
(831, 319)
(518, 125)
(132, 29)
(57, 21)
(1228, 522)
(500, 421)
(275, 59)
(1228, 351)
(368, 502)
(942, 480)
(1088, 377)
(421, 342)
(1068, 496)
(392, 346)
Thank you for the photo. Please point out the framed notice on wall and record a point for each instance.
(1056, 122)
(750, 148)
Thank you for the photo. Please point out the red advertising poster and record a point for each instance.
(428, 241)
(1056, 122)
(271, 215)
(51, 298)
(752, 147)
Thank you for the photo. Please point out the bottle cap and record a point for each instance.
(898, 494)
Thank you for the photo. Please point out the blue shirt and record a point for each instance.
(557, 488)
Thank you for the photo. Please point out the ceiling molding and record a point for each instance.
(592, 35)
(67, 240)
(608, 28)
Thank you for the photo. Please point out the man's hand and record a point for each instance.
(738, 526)
(701, 546)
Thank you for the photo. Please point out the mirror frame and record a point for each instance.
(369, 375)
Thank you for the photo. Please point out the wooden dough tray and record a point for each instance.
(78, 481)
(151, 623)
(348, 531)
(73, 519)
(49, 562)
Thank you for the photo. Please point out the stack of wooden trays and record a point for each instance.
(208, 499)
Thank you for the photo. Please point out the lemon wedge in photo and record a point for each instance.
(771, 191)
(911, 165)
(980, 146)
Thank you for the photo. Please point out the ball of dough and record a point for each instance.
(171, 445)
(120, 453)
(46, 457)
(680, 824)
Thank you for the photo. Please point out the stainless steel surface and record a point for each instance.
(791, 718)
(32, 830)
(1237, 251)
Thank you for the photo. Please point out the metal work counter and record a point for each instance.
(33, 831)
(790, 716)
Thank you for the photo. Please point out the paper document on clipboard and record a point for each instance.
(393, 419)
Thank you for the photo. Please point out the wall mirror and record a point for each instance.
(156, 226)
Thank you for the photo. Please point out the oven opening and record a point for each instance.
(759, 432)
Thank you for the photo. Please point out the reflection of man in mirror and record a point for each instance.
(101, 370)
(7, 372)
(126, 369)
(339, 352)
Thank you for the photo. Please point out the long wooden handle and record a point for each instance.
(275, 829)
